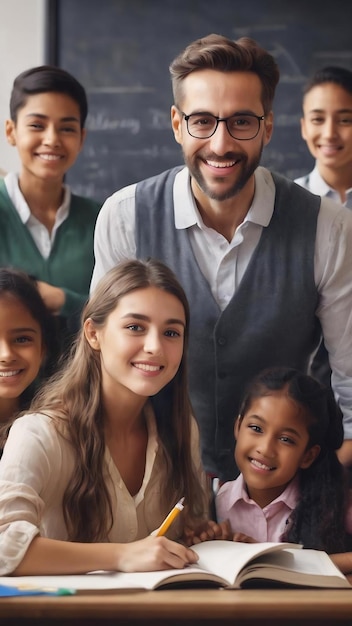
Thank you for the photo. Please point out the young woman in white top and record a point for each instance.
(110, 444)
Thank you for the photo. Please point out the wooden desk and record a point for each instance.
(184, 608)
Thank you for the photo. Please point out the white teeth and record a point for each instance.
(260, 465)
(50, 157)
(221, 165)
(147, 368)
(8, 374)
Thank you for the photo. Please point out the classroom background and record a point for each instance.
(121, 49)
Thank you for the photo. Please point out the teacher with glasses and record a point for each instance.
(266, 265)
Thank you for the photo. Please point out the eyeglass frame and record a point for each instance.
(260, 118)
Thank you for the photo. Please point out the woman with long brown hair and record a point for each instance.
(110, 444)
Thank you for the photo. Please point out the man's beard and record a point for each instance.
(247, 170)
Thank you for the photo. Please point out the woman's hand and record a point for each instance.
(153, 553)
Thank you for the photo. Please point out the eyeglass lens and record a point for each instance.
(239, 126)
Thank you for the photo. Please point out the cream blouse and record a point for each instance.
(35, 469)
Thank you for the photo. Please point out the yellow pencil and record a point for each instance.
(169, 519)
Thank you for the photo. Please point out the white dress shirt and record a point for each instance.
(42, 238)
(315, 183)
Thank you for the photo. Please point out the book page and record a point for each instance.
(99, 581)
(226, 558)
(305, 562)
(105, 581)
(304, 567)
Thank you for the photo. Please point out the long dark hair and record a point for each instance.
(318, 520)
(74, 395)
(18, 285)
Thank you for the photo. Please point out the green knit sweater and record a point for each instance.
(71, 260)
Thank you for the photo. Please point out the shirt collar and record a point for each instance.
(318, 185)
(21, 206)
(289, 496)
(187, 214)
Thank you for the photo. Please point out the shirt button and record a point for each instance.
(222, 341)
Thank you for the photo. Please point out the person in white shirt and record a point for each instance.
(265, 264)
(109, 445)
(326, 126)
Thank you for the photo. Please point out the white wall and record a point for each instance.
(22, 45)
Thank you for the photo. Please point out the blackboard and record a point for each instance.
(121, 50)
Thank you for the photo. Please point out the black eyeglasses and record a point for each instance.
(240, 126)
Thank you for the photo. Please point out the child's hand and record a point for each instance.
(54, 297)
(244, 538)
(343, 561)
(208, 531)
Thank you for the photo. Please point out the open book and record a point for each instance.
(221, 564)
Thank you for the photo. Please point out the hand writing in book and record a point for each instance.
(153, 553)
(207, 531)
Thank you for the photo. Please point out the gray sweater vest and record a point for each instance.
(269, 321)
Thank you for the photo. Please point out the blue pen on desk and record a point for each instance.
(7, 591)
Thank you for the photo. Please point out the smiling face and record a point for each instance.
(327, 127)
(141, 343)
(48, 136)
(221, 166)
(271, 445)
(21, 351)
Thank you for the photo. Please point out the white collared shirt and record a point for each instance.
(42, 238)
(315, 183)
(222, 263)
